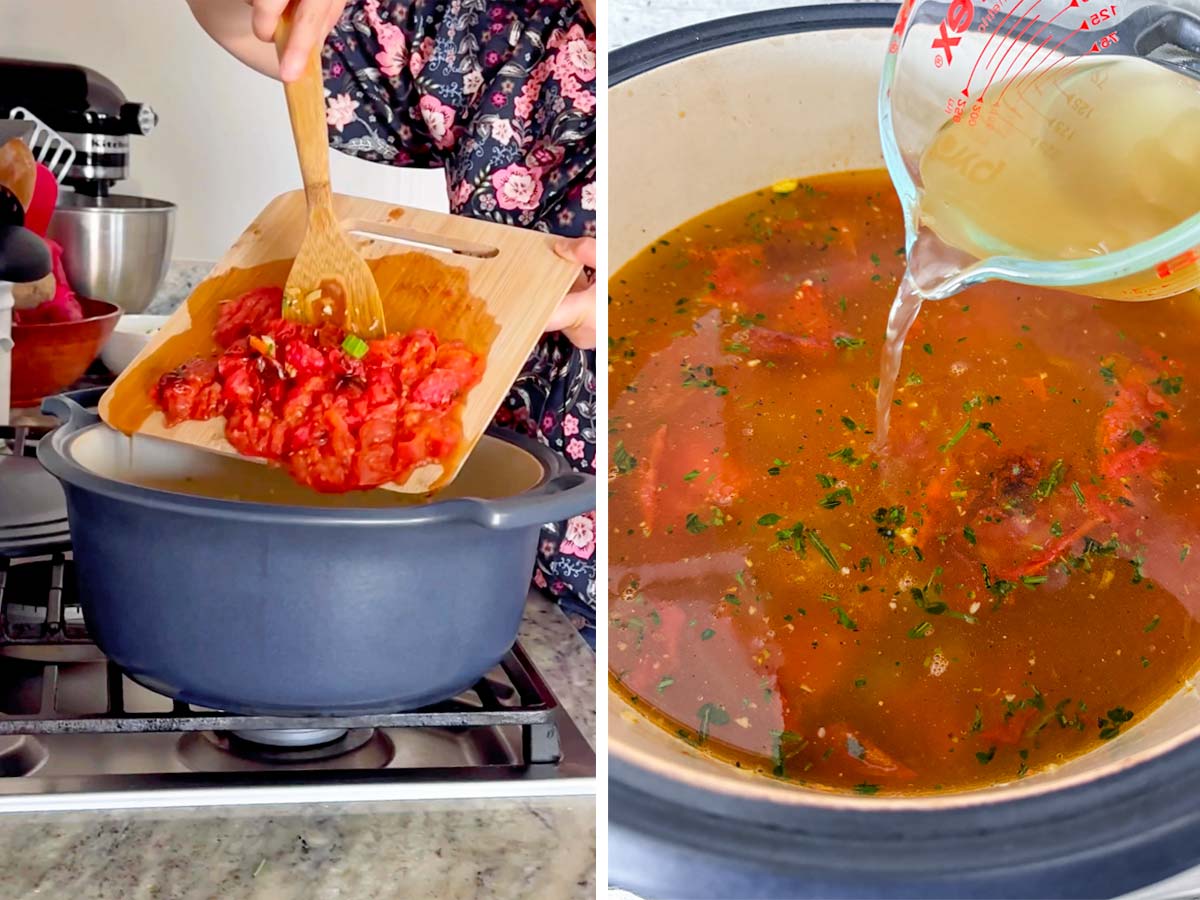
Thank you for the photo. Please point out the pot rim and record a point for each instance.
(106, 311)
(1125, 828)
(561, 492)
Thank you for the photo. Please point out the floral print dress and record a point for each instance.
(501, 94)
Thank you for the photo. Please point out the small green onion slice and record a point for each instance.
(354, 346)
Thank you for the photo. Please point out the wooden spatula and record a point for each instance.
(328, 280)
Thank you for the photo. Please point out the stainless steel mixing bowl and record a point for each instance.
(115, 248)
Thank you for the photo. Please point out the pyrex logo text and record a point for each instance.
(957, 20)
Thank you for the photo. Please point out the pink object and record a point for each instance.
(41, 207)
(62, 307)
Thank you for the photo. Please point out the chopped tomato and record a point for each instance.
(291, 394)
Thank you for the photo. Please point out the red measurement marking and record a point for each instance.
(978, 59)
(1070, 60)
(1183, 260)
(1025, 65)
(1008, 51)
(1050, 22)
(1011, 29)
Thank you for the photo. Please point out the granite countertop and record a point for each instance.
(529, 848)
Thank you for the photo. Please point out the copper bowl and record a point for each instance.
(51, 356)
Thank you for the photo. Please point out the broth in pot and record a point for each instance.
(1008, 583)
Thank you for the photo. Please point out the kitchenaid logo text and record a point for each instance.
(957, 20)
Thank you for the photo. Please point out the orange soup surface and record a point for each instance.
(1008, 584)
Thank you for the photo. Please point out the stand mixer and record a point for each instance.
(116, 247)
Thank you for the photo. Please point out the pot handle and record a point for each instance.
(75, 407)
(563, 496)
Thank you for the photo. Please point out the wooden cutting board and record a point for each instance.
(492, 286)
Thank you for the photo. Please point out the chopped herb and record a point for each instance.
(850, 424)
(690, 476)
(866, 789)
(706, 634)
(834, 500)
(957, 436)
(711, 714)
(826, 481)
(769, 519)
(913, 379)
(846, 455)
(928, 348)
(1137, 437)
(1047, 485)
(1107, 373)
(844, 620)
(825, 552)
(919, 631)
(1031, 581)
(986, 756)
(622, 460)
(969, 534)
(977, 722)
(736, 347)
(1152, 624)
(694, 525)
(1169, 385)
(1184, 551)
(1079, 494)
(1056, 528)
(845, 342)
(665, 682)
(1110, 723)
(860, 682)
(986, 428)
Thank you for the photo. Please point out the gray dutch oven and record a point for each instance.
(697, 117)
(260, 606)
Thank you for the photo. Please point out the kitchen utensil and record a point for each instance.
(49, 148)
(51, 356)
(41, 206)
(491, 285)
(255, 607)
(1081, 114)
(326, 263)
(117, 248)
(83, 107)
(128, 339)
(681, 825)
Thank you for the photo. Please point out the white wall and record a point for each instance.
(223, 146)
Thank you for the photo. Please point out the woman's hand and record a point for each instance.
(576, 315)
(312, 20)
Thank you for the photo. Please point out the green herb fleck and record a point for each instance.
(665, 682)
(692, 475)
(986, 756)
(769, 519)
(1110, 723)
(1152, 624)
(706, 634)
(622, 460)
(711, 714)
(969, 534)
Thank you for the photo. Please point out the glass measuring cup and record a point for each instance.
(1002, 93)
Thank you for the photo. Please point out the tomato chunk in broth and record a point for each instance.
(1008, 584)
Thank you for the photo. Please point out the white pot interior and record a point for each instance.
(494, 469)
(695, 133)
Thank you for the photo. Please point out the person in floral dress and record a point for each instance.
(501, 95)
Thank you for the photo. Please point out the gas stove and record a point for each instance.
(77, 733)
